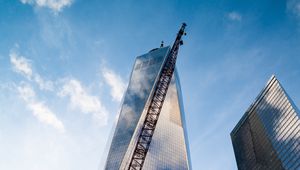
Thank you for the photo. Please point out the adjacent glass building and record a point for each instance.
(268, 135)
(169, 145)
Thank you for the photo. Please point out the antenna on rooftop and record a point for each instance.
(162, 44)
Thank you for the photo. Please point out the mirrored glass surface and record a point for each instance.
(268, 135)
(168, 147)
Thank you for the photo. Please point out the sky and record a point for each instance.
(64, 66)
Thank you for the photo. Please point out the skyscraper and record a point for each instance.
(268, 134)
(169, 145)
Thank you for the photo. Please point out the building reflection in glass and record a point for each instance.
(268, 135)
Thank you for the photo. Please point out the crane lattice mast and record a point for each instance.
(156, 103)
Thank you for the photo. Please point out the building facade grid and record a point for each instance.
(169, 145)
(268, 135)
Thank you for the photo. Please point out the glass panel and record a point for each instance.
(268, 135)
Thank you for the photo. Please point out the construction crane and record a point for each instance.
(157, 100)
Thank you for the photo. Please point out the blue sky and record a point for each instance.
(64, 65)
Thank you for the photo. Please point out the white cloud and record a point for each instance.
(234, 16)
(115, 82)
(22, 66)
(79, 97)
(43, 84)
(86, 103)
(38, 108)
(55, 5)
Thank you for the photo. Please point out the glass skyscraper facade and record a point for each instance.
(169, 145)
(268, 135)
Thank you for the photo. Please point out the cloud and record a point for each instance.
(294, 7)
(38, 108)
(23, 66)
(80, 99)
(43, 84)
(117, 85)
(20, 64)
(234, 16)
(55, 5)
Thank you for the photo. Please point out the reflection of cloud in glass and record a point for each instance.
(140, 85)
(140, 82)
(169, 136)
(129, 115)
(268, 135)
(168, 146)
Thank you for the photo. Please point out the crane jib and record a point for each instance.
(155, 106)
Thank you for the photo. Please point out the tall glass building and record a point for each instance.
(169, 145)
(268, 135)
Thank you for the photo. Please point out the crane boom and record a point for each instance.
(155, 106)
